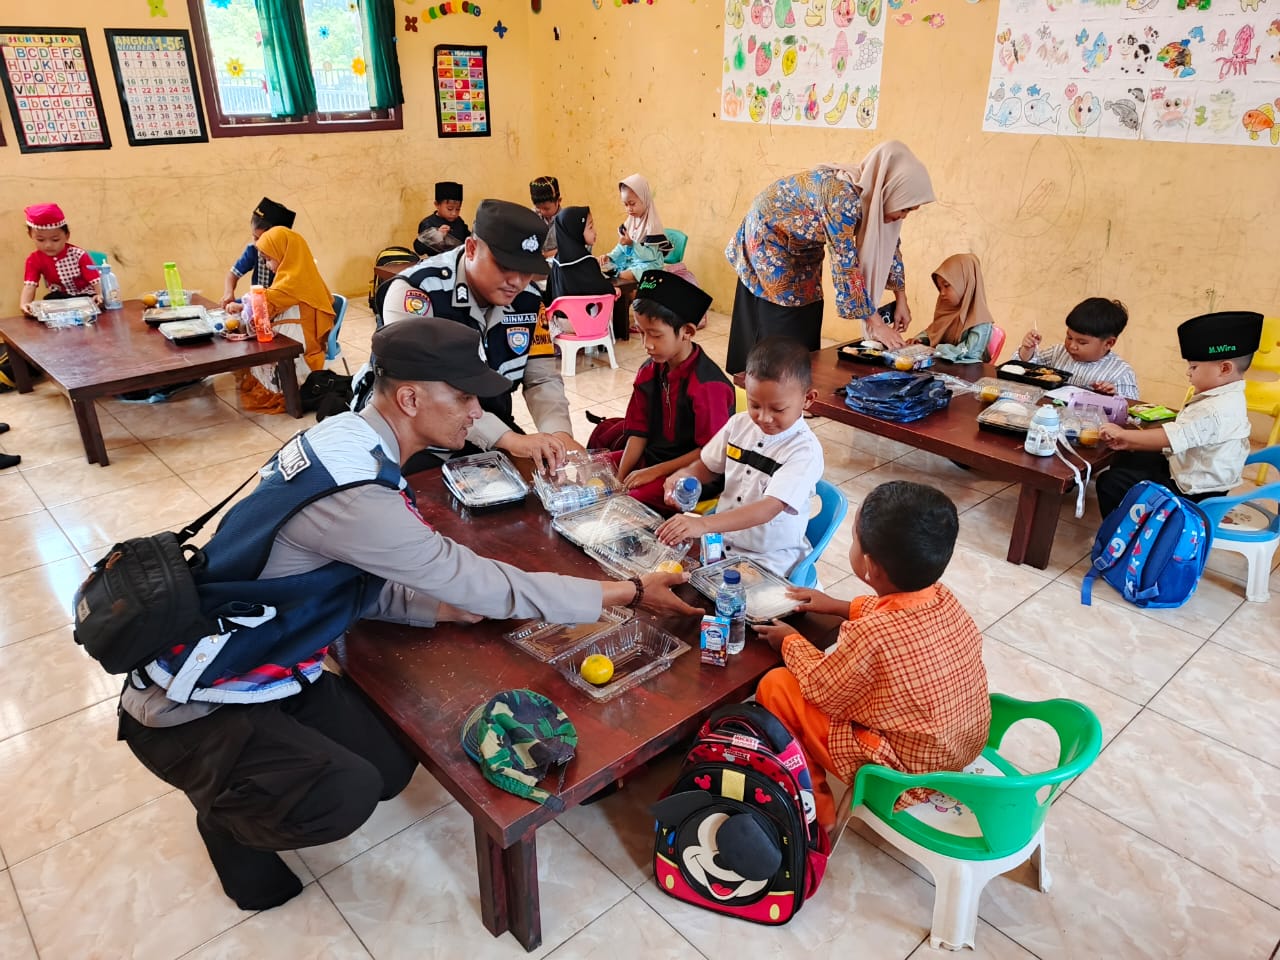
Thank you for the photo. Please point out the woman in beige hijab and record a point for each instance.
(962, 322)
(856, 212)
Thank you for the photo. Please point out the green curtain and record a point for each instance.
(284, 48)
(378, 17)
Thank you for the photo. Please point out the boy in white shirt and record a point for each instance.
(771, 462)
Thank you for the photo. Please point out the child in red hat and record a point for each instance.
(68, 271)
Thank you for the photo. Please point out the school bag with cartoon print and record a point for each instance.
(1152, 548)
(738, 832)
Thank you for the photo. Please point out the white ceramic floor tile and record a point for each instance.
(1222, 815)
(857, 488)
(629, 931)
(308, 927)
(16, 495)
(38, 599)
(190, 410)
(31, 540)
(195, 449)
(46, 677)
(58, 442)
(1251, 628)
(94, 524)
(932, 467)
(15, 940)
(95, 779)
(986, 528)
(59, 483)
(989, 588)
(989, 944)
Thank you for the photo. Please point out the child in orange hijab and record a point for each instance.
(962, 322)
(300, 306)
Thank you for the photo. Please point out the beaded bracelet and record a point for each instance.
(635, 602)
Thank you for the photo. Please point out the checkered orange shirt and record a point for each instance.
(905, 686)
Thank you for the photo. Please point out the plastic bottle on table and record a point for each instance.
(686, 493)
(261, 322)
(731, 603)
(1042, 433)
(110, 288)
(173, 285)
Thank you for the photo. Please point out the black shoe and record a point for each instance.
(254, 879)
(594, 417)
(4, 428)
(9, 460)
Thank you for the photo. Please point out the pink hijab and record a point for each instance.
(649, 225)
(889, 179)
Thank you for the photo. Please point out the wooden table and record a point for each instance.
(954, 433)
(120, 353)
(427, 682)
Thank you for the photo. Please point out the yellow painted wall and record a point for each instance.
(1053, 219)
(354, 192)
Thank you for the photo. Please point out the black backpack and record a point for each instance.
(388, 256)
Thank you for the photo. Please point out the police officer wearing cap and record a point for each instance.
(486, 285)
(274, 752)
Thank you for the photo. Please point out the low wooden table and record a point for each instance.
(427, 682)
(954, 433)
(120, 353)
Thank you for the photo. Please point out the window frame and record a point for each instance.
(258, 125)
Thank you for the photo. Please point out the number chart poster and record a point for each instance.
(812, 63)
(1188, 71)
(156, 78)
(51, 88)
(462, 92)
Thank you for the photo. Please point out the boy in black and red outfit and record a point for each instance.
(681, 397)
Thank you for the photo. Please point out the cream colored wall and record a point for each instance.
(1053, 219)
(354, 192)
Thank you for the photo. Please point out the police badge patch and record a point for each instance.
(417, 302)
(518, 341)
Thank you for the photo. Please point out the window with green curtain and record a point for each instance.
(288, 66)
(383, 76)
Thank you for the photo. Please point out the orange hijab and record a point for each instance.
(964, 273)
(297, 278)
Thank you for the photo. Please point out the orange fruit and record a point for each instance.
(597, 669)
(232, 324)
(670, 566)
(903, 363)
(149, 300)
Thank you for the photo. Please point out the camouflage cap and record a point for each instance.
(518, 737)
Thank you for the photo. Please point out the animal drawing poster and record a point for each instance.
(1190, 71)
(803, 62)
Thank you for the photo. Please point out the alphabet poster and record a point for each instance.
(462, 92)
(1189, 71)
(51, 88)
(156, 78)
(812, 63)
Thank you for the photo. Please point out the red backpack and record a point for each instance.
(737, 832)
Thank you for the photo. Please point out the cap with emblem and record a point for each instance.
(45, 216)
(514, 234)
(1220, 336)
(544, 190)
(448, 190)
(674, 292)
(518, 737)
(276, 214)
(435, 349)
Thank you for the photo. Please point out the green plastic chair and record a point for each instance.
(982, 821)
(679, 240)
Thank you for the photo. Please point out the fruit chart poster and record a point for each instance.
(156, 77)
(813, 63)
(51, 88)
(1189, 71)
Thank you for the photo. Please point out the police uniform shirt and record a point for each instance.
(534, 365)
(786, 466)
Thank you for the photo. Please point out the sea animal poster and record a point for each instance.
(811, 63)
(1190, 71)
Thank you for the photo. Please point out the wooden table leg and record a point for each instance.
(95, 448)
(21, 372)
(509, 888)
(288, 375)
(1034, 526)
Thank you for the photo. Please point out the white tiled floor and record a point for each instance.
(1167, 847)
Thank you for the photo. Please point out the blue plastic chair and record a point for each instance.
(1243, 525)
(332, 350)
(819, 533)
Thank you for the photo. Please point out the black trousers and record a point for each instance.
(755, 318)
(1130, 468)
(298, 772)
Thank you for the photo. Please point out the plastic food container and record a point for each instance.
(605, 520)
(1033, 373)
(639, 650)
(862, 351)
(1014, 416)
(583, 479)
(990, 389)
(484, 480)
(545, 641)
(154, 316)
(633, 553)
(68, 312)
(915, 356)
(766, 591)
(184, 332)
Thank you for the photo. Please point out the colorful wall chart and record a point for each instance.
(51, 88)
(805, 62)
(156, 76)
(462, 92)
(1193, 71)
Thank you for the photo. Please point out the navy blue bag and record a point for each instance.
(900, 397)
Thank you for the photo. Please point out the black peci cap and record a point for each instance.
(274, 213)
(430, 349)
(448, 190)
(514, 234)
(1220, 336)
(674, 292)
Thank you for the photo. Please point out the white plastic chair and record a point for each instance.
(1243, 525)
(589, 329)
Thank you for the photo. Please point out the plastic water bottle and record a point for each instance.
(731, 603)
(1042, 433)
(110, 287)
(686, 493)
(261, 322)
(173, 285)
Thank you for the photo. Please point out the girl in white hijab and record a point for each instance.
(642, 243)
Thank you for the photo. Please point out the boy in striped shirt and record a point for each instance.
(1093, 327)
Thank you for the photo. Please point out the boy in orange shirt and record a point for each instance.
(905, 685)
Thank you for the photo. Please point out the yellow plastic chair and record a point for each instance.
(1263, 396)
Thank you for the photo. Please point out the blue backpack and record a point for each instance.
(898, 397)
(1152, 548)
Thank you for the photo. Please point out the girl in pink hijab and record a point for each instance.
(642, 243)
(856, 213)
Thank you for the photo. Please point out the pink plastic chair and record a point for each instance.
(995, 343)
(589, 329)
